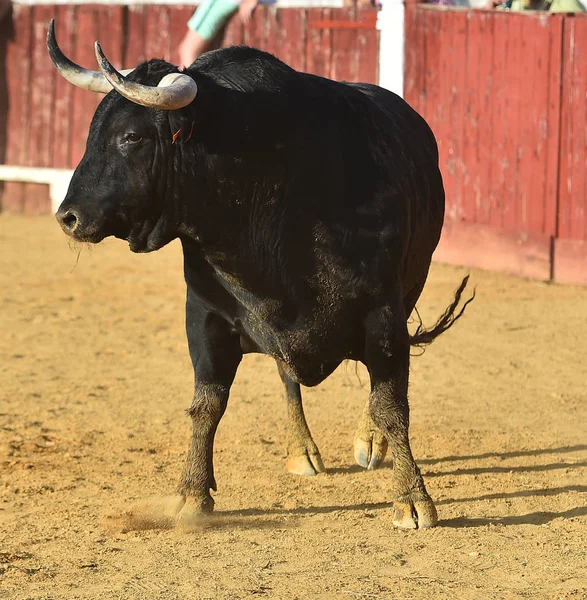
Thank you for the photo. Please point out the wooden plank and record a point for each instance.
(275, 32)
(84, 103)
(481, 73)
(344, 65)
(516, 92)
(564, 209)
(431, 75)
(61, 127)
(533, 167)
(458, 53)
(414, 59)
(135, 27)
(111, 33)
(368, 47)
(419, 28)
(553, 122)
(485, 149)
(157, 43)
(18, 60)
(578, 192)
(18, 63)
(527, 181)
(42, 97)
(471, 92)
(438, 98)
(497, 127)
(318, 43)
(293, 41)
(572, 223)
(495, 249)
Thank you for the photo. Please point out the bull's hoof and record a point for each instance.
(370, 448)
(308, 463)
(414, 510)
(195, 508)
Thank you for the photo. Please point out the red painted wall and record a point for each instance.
(505, 94)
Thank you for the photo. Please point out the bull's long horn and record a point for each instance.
(175, 90)
(83, 78)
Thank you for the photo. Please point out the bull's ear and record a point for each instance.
(182, 126)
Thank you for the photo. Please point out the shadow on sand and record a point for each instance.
(536, 518)
(152, 514)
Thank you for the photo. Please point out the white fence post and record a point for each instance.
(390, 22)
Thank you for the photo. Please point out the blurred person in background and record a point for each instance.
(206, 22)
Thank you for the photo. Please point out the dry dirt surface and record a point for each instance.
(95, 377)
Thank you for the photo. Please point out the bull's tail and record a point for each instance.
(423, 337)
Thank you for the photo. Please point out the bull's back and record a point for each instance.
(413, 146)
(353, 157)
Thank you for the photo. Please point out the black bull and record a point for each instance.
(308, 211)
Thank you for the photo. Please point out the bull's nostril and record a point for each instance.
(69, 220)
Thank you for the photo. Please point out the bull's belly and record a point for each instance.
(308, 353)
(309, 374)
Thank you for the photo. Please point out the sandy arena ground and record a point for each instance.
(94, 380)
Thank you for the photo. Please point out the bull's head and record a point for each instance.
(119, 188)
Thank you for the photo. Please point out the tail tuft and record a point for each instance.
(423, 337)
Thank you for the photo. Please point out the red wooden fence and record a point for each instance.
(48, 118)
(505, 94)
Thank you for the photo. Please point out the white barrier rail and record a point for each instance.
(57, 179)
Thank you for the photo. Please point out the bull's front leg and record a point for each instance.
(197, 480)
(303, 457)
(215, 353)
(387, 355)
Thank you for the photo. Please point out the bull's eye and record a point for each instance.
(132, 138)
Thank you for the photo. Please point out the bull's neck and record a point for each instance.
(249, 241)
(212, 218)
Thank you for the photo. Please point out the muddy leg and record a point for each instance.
(370, 444)
(303, 457)
(387, 353)
(215, 352)
(197, 480)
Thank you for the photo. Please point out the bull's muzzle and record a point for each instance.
(69, 219)
(82, 228)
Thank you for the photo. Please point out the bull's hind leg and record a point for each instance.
(215, 353)
(303, 457)
(370, 444)
(387, 355)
